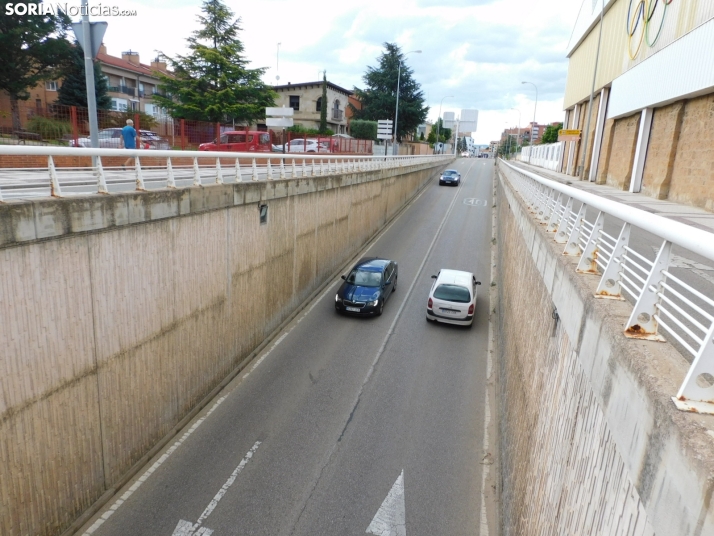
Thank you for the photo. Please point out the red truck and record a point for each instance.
(244, 141)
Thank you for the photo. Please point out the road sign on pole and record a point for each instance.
(384, 129)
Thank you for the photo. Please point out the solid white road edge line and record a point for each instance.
(106, 515)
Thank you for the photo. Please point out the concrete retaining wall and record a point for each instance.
(591, 442)
(119, 314)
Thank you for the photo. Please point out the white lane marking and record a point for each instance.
(473, 202)
(390, 519)
(185, 528)
(165, 456)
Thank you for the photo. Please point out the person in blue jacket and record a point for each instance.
(128, 139)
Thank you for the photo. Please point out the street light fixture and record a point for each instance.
(530, 151)
(439, 119)
(399, 73)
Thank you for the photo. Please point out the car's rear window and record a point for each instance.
(452, 293)
(363, 278)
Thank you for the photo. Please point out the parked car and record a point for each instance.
(452, 298)
(110, 138)
(368, 285)
(300, 145)
(450, 176)
(242, 141)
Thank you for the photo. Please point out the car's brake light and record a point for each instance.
(471, 309)
(429, 304)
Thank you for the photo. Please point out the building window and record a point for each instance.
(318, 106)
(295, 102)
(51, 85)
(135, 105)
(120, 104)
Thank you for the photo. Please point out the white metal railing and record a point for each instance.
(662, 301)
(174, 169)
(547, 156)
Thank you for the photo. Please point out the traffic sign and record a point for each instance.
(279, 112)
(384, 129)
(569, 135)
(281, 117)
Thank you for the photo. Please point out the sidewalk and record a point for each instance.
(696, 217)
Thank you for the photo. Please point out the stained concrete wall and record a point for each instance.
(591, 442)
(119, 314)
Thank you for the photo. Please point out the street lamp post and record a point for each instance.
(439, 119)
(396, 113)
(530, 151)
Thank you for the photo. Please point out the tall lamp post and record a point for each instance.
(518, 139)
(530, 151)
(439, 118)
(396, 113)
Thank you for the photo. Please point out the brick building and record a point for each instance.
(652, 125)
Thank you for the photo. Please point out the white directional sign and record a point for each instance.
(391, 519)
(384, 129)
(279, 117)
(279, 112)
(186, 528)
(449, 120)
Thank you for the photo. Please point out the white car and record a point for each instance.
(452, 298)
(299, 145)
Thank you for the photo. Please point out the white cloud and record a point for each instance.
(477, 50)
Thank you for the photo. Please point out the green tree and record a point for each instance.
(444, 133)
(213, 82)
(363, 130)
(323, 104)
(551, 133)
(380, 94)
(421, 137)
(74, 85)
(33, 49)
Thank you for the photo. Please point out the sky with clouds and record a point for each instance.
(479, 51)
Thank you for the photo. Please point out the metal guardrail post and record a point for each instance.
(55, 190)
(282, 168)
(294, 173)
(101, 179)
(219, 174)
(171, 180)
(237, 170)
(642, 323)
(269, 171)
(139, 175)
(255, 171)
(561, 235)
(572, 247)
(304, 169)
(692, 396)
(196, 173)
(609, 286)
(588, 261)
(553, 221)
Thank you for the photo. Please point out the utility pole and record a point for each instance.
(530, 151)
(396, 112)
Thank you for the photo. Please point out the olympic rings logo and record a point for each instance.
(646, 13)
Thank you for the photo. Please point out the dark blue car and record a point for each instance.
(368, 285)
(450, 176)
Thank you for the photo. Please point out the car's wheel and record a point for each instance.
(394, 288)
(381, 308)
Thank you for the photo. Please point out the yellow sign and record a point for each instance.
(569, 135)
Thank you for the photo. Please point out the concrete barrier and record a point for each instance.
(120, 314)
(591, 442)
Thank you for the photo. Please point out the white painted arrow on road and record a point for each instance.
(390, 519)
(186, 528)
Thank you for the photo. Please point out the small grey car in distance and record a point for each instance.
(450, 176)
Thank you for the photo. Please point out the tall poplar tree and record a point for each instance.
(323, 107)
(33, 49)
(213, 82)
(379, 97)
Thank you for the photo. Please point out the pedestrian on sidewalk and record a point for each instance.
(128, 140)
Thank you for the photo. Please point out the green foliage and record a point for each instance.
(299, 129)
(74, 85)
(380, 94)
(323, 107)
(213, 82)
(33, 49)
(48, 128)
(421, 137)
(461, 145)
(444, 133)
(363, 130)
(551, 133)
(118, 120)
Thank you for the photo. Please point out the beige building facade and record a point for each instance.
(651, 121)
(306, 99)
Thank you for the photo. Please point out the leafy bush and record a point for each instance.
(363, 130)
(48, 128)
(299, 129)
(118, 119)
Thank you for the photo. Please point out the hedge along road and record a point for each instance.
(345, 425)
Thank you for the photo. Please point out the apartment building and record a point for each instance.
(306, 99)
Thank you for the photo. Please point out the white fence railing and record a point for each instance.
(547, 156)
(172, 169)
(662, 301)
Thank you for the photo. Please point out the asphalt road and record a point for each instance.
(341, 418)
